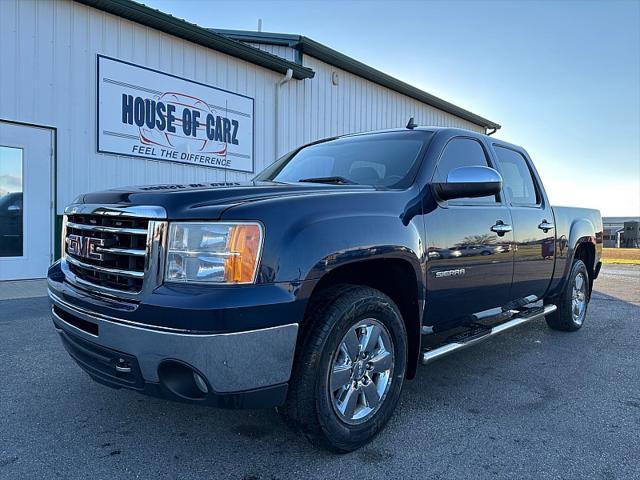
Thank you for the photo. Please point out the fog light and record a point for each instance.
(200, 383)
(182, 380)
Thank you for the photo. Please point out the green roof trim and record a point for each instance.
(164, 22)
(322, 52)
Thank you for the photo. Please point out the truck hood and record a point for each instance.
(209, 200)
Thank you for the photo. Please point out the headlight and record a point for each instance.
(213, 252)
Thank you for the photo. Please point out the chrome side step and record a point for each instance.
(521, 317)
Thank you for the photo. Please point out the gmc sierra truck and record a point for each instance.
(320, 286)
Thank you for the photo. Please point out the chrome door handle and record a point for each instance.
(500, 228)
(546, 226)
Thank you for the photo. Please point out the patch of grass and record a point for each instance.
(619, 261)
(621, 256)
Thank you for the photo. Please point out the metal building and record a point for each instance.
(631, 235)
(621, 232)
(96, 94)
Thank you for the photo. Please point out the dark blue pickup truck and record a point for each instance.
(319, 287)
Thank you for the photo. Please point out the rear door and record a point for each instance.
(533, 223)
(469, 266)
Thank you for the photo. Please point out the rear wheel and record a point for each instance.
(349, 369)
(572, 303)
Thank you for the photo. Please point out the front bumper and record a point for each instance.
(240, 369)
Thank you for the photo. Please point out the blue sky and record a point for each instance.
(10, 170)
(563, 78)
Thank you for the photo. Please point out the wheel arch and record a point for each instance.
(398, 278)
(582, 244)
(586, 251)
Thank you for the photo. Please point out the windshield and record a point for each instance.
(381, 159)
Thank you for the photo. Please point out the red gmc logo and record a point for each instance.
(84, 247)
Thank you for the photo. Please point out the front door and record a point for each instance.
(470, 258)
(25, 201)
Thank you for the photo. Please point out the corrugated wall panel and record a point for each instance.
(353, 105)
(287, 53)
(52, 46)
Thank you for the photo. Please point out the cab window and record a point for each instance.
(463, 152)
(517, 179)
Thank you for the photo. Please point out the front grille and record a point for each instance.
(107, 251)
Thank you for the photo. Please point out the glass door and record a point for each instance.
(25, 201)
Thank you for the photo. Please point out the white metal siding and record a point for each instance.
(287, 53)
(48, 77)
(316, 109)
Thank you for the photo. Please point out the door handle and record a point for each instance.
(546, 226)
(500, 228)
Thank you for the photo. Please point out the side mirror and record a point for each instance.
(465, 182)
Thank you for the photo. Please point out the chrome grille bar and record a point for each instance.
(131, 254)
(122, 251)
(100, 228)
(112, 271)
(131, 211)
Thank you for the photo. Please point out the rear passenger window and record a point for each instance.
(517, 179)
(463, 152)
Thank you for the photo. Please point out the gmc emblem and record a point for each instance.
(84, 247)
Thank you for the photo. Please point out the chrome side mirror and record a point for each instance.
(465, 182)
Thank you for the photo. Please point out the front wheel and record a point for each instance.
(573, 301)
(349, 368)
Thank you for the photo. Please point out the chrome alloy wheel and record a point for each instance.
(579, 298)
(361, 371)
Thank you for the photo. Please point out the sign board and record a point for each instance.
(149, 114)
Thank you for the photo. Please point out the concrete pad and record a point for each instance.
(13, 289)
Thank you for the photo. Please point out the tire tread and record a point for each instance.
(562, 318)
(301, 407)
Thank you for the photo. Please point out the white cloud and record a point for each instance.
(10, 183)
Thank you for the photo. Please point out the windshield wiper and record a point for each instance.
(333, 180)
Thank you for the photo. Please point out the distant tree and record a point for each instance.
(484, 239)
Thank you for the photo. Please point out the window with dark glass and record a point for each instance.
(383, 159)
(11, 209)
(463, 152)
(517, 179)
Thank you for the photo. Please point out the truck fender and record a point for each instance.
(313, 247)
(407, 248)
(412, 310)
(581, 231)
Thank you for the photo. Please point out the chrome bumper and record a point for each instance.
(231, 362)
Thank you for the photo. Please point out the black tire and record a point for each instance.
(310, 407)
(563, 318)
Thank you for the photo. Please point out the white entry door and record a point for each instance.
(25, 201)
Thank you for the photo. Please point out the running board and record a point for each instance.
(455, 344)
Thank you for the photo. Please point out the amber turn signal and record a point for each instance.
(243, 245)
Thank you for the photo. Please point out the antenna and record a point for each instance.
(411, 125)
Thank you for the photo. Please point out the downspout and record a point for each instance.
(279, 85)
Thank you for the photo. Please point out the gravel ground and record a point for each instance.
(532, 403)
